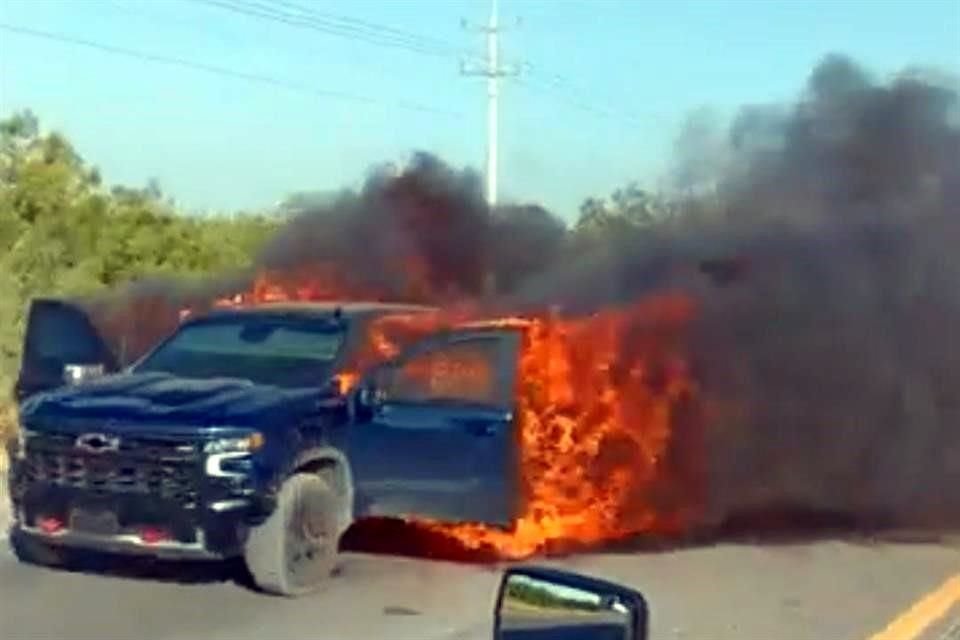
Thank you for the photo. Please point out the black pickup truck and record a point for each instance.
(232, 438)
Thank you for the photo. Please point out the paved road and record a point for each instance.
(833, 589)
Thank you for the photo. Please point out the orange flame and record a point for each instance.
(598, 401)
(601, 402)
(315, 283)
(346, 381)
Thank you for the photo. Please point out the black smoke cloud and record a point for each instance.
(828, 280)
(837, 353)
(423, 234)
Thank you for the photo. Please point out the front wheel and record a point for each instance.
(294, 551)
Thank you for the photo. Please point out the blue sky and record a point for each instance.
(639, 67)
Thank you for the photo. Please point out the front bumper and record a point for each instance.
(127, 543)
(212, 525)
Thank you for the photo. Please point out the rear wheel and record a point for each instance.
(295, 550)
(31, 550)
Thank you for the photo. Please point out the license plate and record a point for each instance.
(99, 522)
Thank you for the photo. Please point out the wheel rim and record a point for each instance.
(308, 544)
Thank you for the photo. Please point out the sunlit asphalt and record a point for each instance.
(803, 590)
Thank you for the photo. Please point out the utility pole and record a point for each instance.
(493, 71)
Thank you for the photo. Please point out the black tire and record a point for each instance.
(31, 550)
(295, 551)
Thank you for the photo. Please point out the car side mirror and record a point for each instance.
(366, 400)
(74, 374)
(372, 392)
(370, 397)
(537, 603)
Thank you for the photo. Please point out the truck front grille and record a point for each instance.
(160, 467)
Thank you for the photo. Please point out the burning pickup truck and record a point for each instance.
(264, 432)
(235, 436)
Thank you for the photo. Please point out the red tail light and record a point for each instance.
(50, 524)
(153, 535)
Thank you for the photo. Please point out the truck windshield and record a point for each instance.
(267, 351)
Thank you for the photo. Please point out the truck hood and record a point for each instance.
(169, 400)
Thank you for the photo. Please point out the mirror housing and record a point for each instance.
(366, 399)
(537, 603)
(74, 374)
(370, 397)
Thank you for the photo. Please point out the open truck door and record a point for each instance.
(61, 346)
(435, 432)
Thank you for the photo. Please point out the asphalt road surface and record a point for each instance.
(813, 590)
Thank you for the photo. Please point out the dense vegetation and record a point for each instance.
(63, 232)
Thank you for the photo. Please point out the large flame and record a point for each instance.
(600, 403)
(599, 400)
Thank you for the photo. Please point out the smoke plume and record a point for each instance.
(834, 359)
(827, 276)
(425, 234)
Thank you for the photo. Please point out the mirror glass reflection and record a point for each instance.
(533, 608)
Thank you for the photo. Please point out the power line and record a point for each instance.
(532, 83)
(223, 71)
(337, 27)
(264, 12)
(538, 79)
(297, 15)
(373, 26)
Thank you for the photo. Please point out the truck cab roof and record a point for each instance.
(319, 309)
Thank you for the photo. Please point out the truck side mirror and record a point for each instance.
(538, 603)
(367, 399)
(370, 397)
(372, 391)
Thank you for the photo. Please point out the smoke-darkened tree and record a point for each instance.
(529, 240)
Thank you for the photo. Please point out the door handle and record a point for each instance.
(479, 428)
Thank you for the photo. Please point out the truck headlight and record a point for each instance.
(229, 457)
(245, 444)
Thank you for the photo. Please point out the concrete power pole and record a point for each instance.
(493, 71)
